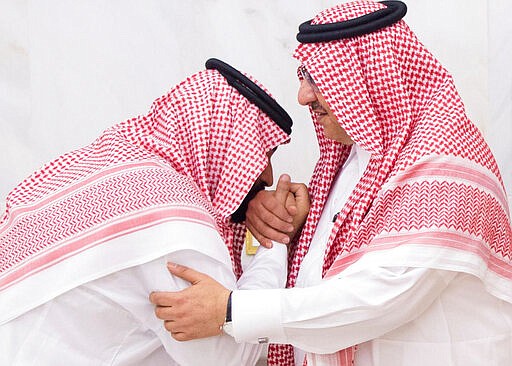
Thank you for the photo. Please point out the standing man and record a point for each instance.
(87, 237)
(405, 257)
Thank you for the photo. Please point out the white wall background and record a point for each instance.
(70, 69)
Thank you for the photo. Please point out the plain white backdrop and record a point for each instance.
(70, 69)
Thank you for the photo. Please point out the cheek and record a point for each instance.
(331, 124)
(266, 177)
(269, 178)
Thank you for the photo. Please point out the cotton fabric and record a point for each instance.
(368, 301)
(399, 316)
(432, 186)
(109, 321)
(192, 159)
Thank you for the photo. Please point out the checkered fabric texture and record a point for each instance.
(194, 156)
(431, 180)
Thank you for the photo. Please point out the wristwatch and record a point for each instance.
(228, 308)
(227, 327)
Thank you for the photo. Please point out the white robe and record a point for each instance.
(110, 321)
(399, 316)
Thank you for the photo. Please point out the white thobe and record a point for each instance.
(110, 321)
(399, 316)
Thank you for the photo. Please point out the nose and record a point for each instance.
(267, 176)
(306, 93)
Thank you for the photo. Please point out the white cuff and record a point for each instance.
(256, 316)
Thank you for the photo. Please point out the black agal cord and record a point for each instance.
(392, 13)
(253, 93)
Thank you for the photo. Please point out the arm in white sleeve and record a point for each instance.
(268, 268)
(202, 249)
(354, 307)
(219, 350)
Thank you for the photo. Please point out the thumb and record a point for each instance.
(186, 273)
(282, 189)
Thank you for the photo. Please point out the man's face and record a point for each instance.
(264, 180)
(310, 95)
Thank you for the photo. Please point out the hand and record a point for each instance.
(300, 195)
(198, 311)
(278, 215)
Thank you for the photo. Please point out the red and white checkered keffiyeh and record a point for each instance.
(432, 183)
(193, 157)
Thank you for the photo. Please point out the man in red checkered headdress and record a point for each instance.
(405, 256)
(85, 239)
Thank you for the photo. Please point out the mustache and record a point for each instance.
(316, 107)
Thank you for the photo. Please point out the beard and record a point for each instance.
(239, 215)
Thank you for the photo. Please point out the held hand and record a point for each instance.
(300, 196)
(278, 215)
(198, 311)
(267, 216)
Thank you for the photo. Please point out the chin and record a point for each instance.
(327, 135)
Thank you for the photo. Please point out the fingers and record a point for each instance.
(186, 273)
(267, 208)
(282, 188)
(265, 205)
(264, 241)
(301, 194)
(181, 336)
(276, 216)
(267, 227)
(180, 321)
(299, 190)
(164, 313)
(195, 312)
(187, 336)
(164, 298)
(267, 219)
(291, 204)
(182, 332)
(266, 234)
(298, 206)
(161, 298)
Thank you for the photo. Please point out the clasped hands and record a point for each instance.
(278, 215)
(199, 311)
